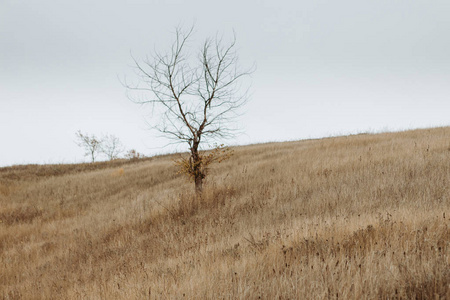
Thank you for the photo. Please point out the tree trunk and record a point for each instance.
(198, 184)
(197, 168)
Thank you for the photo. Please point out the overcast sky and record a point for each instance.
(323, 68)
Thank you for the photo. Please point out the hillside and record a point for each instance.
(363, 216)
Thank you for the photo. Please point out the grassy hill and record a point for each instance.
(364, 216)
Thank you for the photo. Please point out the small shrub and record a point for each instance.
(192, 169)
(134, 155)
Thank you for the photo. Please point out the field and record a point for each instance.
(355, 217)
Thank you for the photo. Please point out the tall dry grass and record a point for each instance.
(358, 217)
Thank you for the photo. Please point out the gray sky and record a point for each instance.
(323, 68)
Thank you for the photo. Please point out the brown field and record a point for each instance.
(357, 217)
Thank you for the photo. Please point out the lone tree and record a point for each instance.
(196, 98)
(91, 144)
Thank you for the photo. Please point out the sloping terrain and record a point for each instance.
(364, 216)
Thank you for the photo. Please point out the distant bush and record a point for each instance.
(133, 154)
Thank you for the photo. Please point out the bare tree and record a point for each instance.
(111, 146)
(90, 144)
(196, 98)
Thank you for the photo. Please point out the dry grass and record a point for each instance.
(353, 217)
